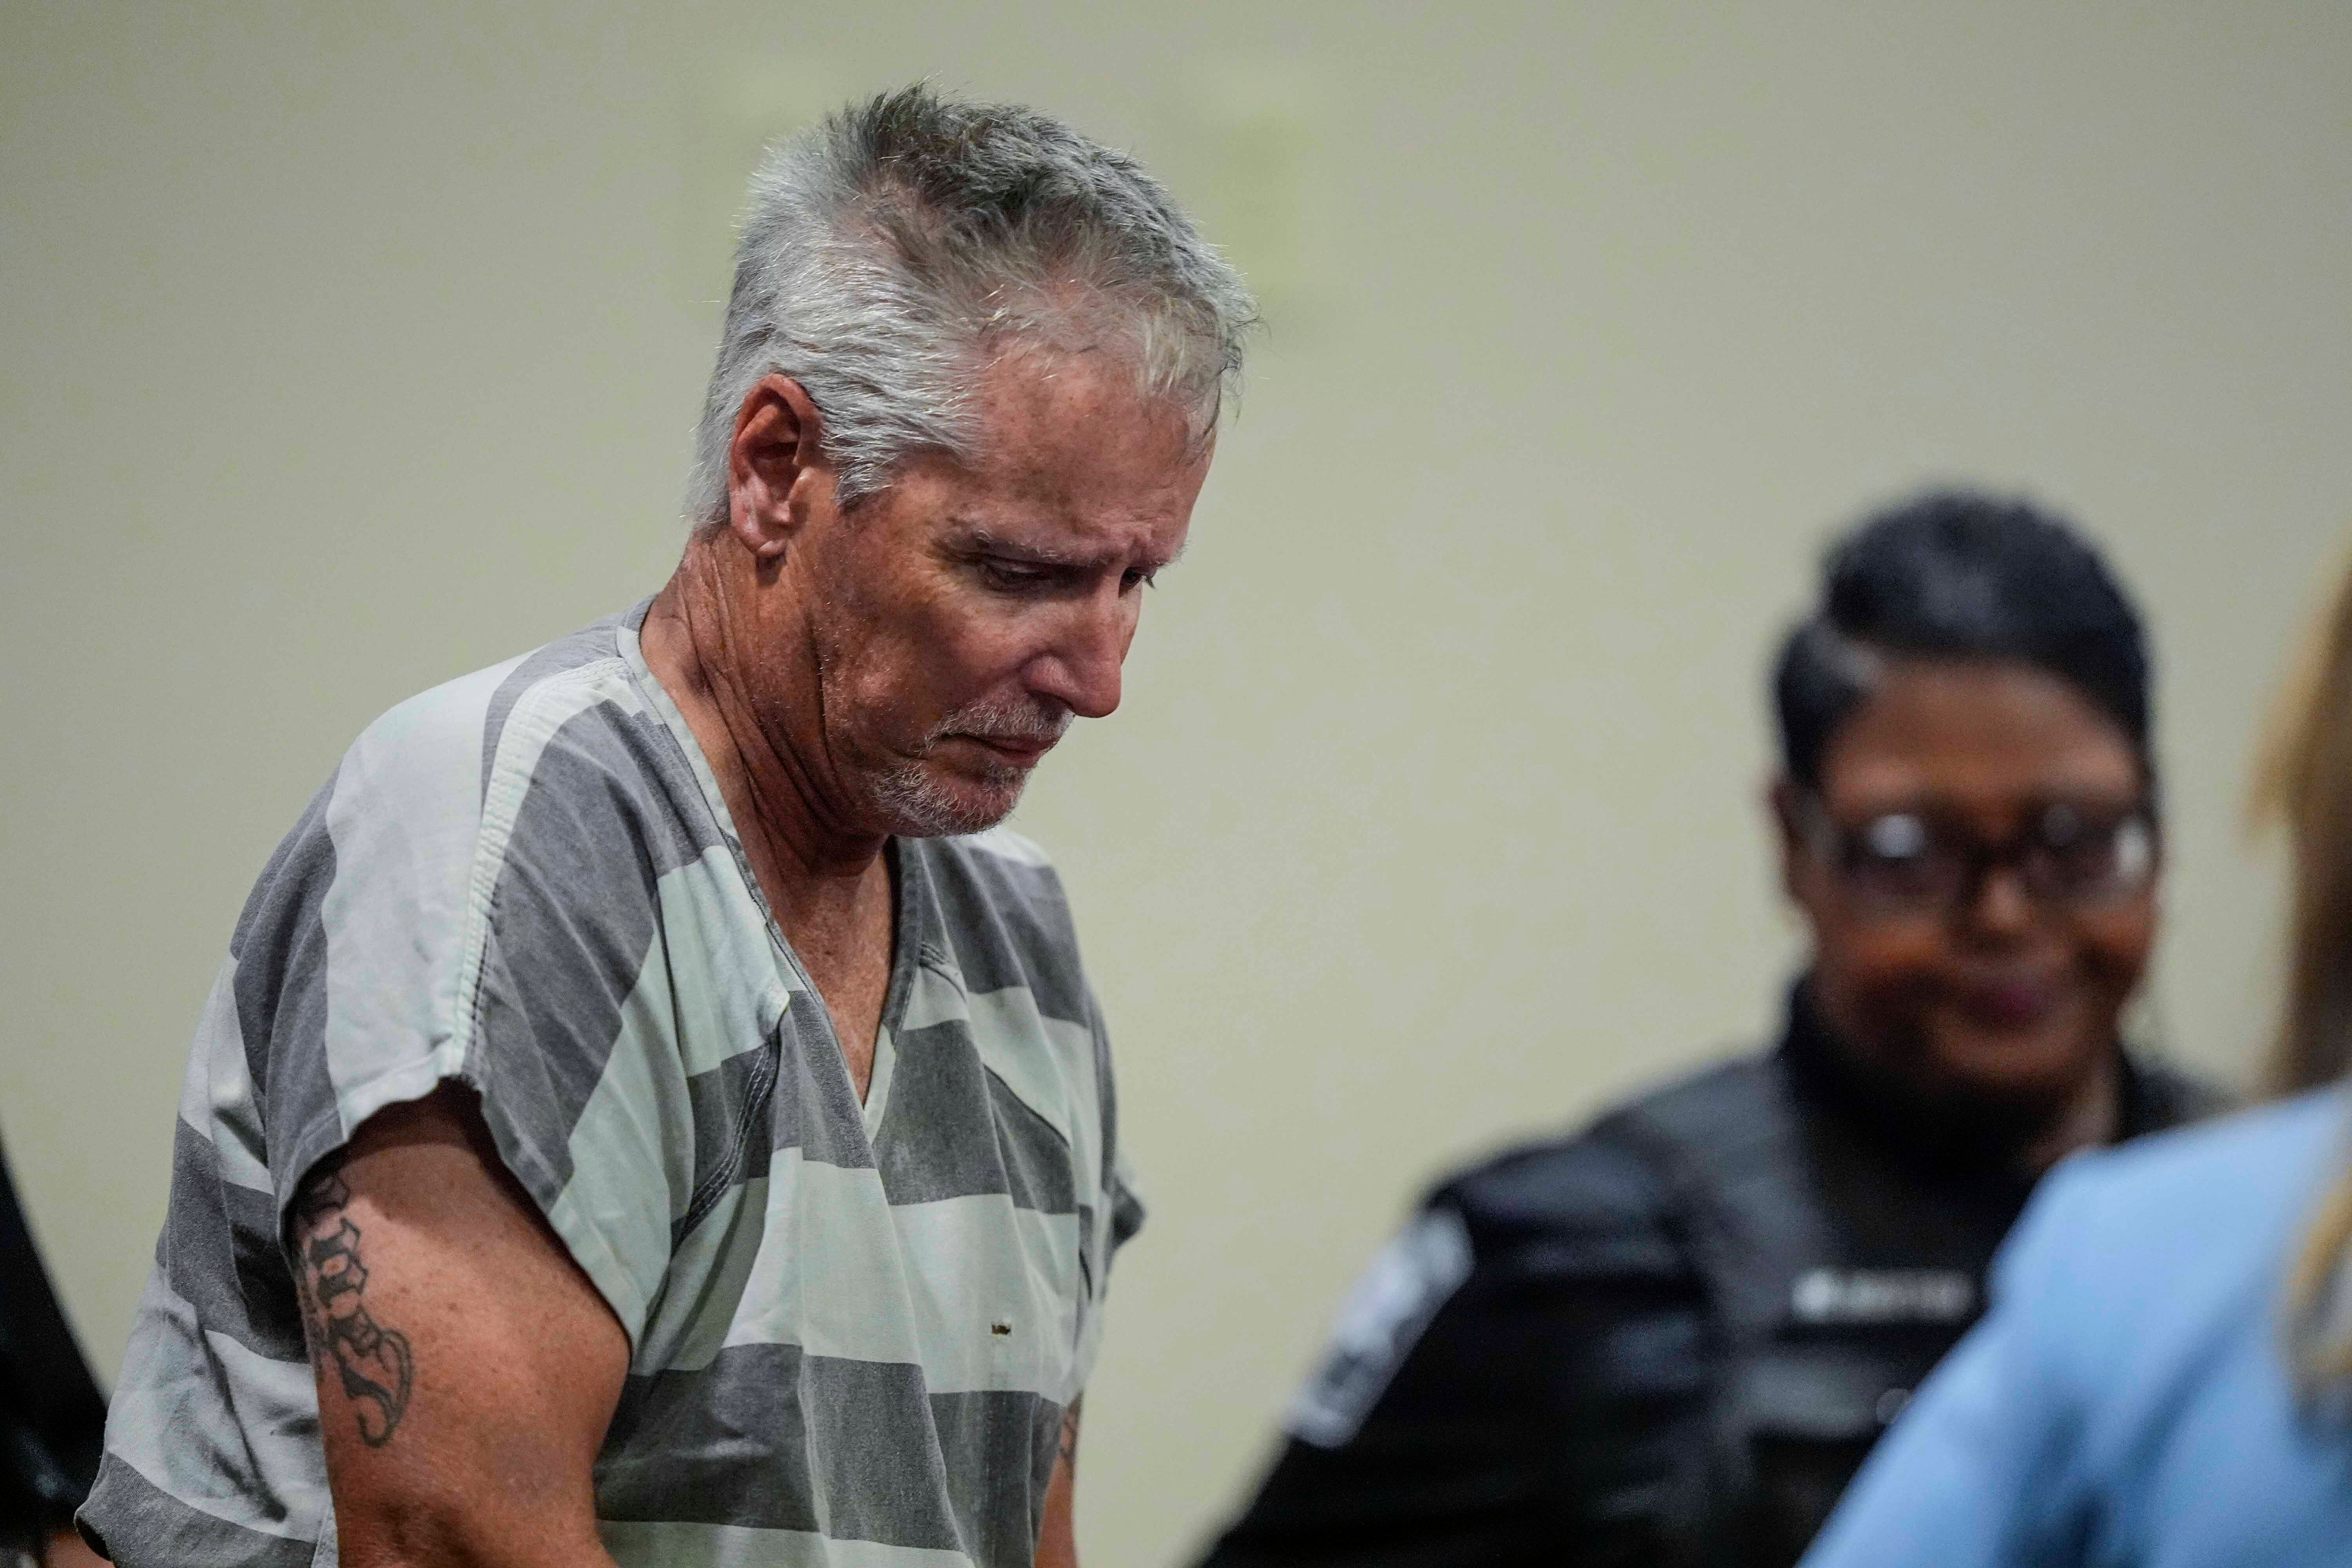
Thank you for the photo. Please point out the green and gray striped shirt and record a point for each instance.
(853, 1328)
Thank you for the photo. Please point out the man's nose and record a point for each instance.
(1080, 669)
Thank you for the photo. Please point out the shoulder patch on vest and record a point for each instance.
(1380, 1323)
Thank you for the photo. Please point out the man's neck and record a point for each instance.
(828, 883)
(776, 784)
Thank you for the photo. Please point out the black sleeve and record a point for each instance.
(1545, 1414)
(52, 1421)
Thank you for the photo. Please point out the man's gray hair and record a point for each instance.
(887, 254)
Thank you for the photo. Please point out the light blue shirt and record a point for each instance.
(2127, 1401)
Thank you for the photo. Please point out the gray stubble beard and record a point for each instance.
(918, 805)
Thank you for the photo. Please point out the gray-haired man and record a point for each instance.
(631, 1126)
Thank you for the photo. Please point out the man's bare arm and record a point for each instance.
(467, 1369)
(1057, 1543)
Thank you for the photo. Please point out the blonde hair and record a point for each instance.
(2304, 783)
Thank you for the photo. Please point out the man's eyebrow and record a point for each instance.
(979, 536)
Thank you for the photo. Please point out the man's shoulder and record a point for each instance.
(548, 751)
(1000, 901)
(460, 725)
(566, 744)
(998, 856)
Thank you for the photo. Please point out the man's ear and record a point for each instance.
(775, 467)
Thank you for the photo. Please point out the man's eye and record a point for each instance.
(1136, 577)
(1012, 574)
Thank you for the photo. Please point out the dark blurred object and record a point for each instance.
(52, 1417)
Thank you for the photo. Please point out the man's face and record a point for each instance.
(962, 617)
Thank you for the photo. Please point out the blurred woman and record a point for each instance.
(1672, 1337)
(2167, 1379)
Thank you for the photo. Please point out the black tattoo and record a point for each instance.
(372, 1361)
(1070, 1437)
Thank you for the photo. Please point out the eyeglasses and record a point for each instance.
(2070, 856)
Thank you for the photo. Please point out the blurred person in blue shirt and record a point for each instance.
(2165, 1380)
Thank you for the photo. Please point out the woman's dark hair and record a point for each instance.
(1960, 576)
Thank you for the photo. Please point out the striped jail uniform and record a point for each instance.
(853, 1328)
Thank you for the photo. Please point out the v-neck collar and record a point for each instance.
(909, 888)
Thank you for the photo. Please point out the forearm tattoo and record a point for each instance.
(373, 1362)
(1070, 1437)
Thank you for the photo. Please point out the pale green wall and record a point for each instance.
(346, 349)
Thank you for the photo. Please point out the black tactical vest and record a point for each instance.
(1843, 1252)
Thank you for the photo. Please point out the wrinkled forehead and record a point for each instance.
(1034, 396)
(1072, 443)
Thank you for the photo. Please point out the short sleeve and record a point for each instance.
(505, 921)
(346, 958)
